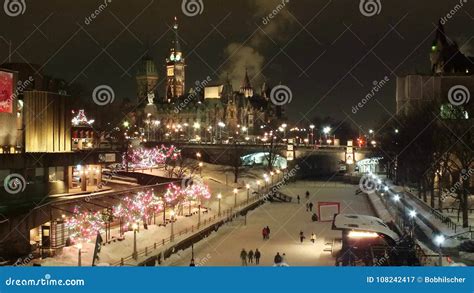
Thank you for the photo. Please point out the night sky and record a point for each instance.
(327, 52)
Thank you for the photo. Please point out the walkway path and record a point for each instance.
(285, 221)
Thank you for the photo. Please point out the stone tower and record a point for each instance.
(147, 79)
(175, 68)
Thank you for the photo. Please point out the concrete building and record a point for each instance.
(414, 90)
(36, 141)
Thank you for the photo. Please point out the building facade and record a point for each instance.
(450, 70)
(206, 111)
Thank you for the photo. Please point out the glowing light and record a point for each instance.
(362, 234)
(148, 158)
(412, 214)
(81, 120)
(439, 240)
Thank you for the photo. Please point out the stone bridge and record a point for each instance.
(312, 161)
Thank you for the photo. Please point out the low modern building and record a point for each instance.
(42, 159)
(37, 139)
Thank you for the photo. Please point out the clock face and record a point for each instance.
(178, 57)
(172, 58)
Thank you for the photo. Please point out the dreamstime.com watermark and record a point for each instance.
(46, 281)
(463, 177)
(377, 86)
(369, 184)
(20, 88)
(281, 95)
(90, 18)
(14, 8)
(370, 8)
(453, 11)
(200, 85)
(189, 181)
(286, 177)
(459, 95)
(103, 95)
(192, 8)
(204, 260)
(266, 20)
(23, 261)
(14, 183)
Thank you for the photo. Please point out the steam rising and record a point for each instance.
(249, 55)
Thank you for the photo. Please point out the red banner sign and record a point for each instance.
(6, 92)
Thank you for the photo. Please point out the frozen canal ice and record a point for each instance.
(285, 220)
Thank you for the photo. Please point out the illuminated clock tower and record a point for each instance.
(175, 68)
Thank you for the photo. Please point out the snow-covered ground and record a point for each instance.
(285, 220)
(213, 175)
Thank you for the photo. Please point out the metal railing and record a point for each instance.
(438, 215)
(225, 214)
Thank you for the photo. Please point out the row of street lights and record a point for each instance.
(438, 240)
(173, 213)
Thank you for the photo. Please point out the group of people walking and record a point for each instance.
(250, 256)
(302, 237)
(280, 259)
(266, 232)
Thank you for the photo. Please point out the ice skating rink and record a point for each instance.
(285, 220)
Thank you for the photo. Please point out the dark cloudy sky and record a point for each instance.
(327, 52)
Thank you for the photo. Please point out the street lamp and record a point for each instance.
(246, 130)
(135, 254)
(197, 127)
(271, 176)
(412, 215)
(326, 131)
(235, 196)
(267, 180)
(79, 254)
(172, 214)
(219, 197)
(221, 126)
(200, 168)
(439, 240)
(312, 133)
(248, 192)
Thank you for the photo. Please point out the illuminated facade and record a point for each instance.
(175, 69)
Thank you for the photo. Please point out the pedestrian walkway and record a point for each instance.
(285, 220)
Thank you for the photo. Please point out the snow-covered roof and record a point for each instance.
(363, 223)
